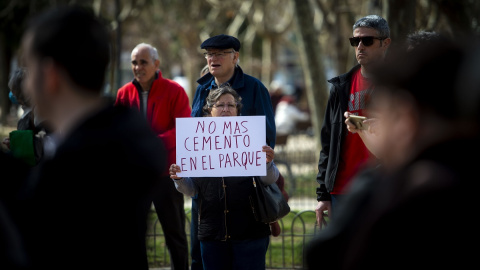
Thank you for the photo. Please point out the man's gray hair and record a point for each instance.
(153, 50)
(376, 22)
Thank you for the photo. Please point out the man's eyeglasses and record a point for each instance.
(366, 41)
(228, 106)
(218, 55)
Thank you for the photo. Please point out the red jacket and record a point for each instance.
(166, 101)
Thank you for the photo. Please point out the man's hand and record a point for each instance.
(350, 126)
(319, 211)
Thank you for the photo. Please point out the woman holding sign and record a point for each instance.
(230, 237)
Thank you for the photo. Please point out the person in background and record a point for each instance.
(287, 115)
(31, 130)
(370, 135)
(17, 96)
(222, 55)
(229, 235)
(276, 91)
(86, 204)
(426, 145)
(344, 154)
(204, 71)
(160, 101)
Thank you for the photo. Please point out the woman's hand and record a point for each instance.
(174, 168)
(270, 153)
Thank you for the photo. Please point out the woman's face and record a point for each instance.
(225, 106)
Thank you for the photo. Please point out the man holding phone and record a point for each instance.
(344, 154)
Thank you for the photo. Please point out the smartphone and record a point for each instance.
(358, 121)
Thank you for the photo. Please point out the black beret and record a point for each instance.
(221, 42)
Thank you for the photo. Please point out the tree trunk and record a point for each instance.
(401, 19)
(309, 50)
(266, 60)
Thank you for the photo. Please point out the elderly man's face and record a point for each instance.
(222, 62)
(370, 54)
(143, 66)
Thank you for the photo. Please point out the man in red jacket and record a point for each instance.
(161, 100)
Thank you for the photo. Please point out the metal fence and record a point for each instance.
(285, 251)
(296, 157)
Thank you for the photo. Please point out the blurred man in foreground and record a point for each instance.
(85, 205)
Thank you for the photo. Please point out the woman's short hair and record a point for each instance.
(215, 95)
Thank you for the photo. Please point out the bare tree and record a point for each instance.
(310, 55)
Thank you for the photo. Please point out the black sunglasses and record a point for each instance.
(366, 41)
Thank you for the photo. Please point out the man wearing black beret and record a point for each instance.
(222, 54)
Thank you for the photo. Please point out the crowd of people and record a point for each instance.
(398, 193)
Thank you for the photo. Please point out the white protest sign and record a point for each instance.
(221, 146)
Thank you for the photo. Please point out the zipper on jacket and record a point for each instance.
(199, 211)
(151, 112)
(225, 211)
(252, 203)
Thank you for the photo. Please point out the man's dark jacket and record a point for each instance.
(255, 99)
(87, 205)
(332, 133)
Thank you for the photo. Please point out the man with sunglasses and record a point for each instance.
(343, 153)
(222, 55)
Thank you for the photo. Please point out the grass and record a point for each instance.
(285, 251)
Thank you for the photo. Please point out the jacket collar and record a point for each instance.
(344, 78)
(158, 74)
(237, 81)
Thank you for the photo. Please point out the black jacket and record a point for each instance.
(87, 205)
(225, 209)
(332, 133)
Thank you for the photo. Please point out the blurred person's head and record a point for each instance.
(276, 87)
(415, 99)
(66, 51)
(422, 37)
(223, 101)
(371, 39)
(145, 63)
(16, 86)
(222, 56)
